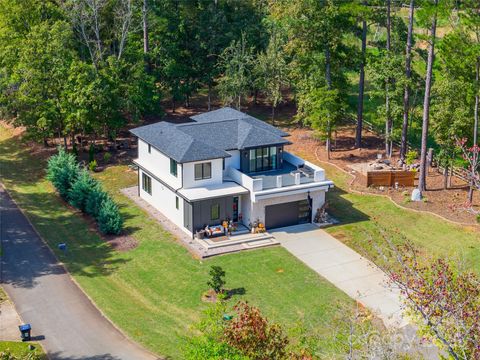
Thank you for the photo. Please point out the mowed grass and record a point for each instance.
(21, 349)
(365, 217)
(153, 292)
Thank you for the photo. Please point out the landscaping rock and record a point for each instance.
(416, 195)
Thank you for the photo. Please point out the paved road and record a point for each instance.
(62, 317)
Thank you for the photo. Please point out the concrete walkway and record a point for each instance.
(63, 319)
(346, 269)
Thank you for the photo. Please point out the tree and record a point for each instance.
(433, 12)
(236, 62)
(109, 219)
(444, 300)
(217, 279)
(472, 156)
(408, 75)
(95, 200)
(361, 83)
(271, 71)
(251, 334)
(81, 189)
(322, 109)
(62, 171)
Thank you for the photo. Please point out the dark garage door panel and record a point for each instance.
(279, 215)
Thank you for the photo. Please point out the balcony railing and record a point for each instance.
(295, 171)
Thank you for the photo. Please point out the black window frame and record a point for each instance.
(177, 203)
(146, 183)
(202, 167)
(215, 206)
(173, 167)
(264, 159)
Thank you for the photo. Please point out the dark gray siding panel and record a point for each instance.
(187, 215)
(202, 211)
(244, 161)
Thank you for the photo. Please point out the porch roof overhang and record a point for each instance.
(292, 190)
(227, 188)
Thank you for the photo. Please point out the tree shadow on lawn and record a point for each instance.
(87, 254)
(342, 209)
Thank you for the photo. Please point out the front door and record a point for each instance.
(235, 209)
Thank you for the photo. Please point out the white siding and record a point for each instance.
(163, 199)
(234, 160)
(159, 165)
(189, 174)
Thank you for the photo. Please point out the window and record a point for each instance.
(177, 202)
(223, 164)
(215, 212)
(147, 183)
(173, 167)
(263, 159)
(149, 148)
(203, 171)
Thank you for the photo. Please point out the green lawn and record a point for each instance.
(21, 348)
(153, 292)
(364, 216)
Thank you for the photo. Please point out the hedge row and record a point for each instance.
(76, 186)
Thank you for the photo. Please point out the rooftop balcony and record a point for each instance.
(295, 173)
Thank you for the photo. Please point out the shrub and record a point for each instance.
(95, 200)
(217, 280)
(92, 165)
(411, 157)
(81, 189)
(106, 157)
(109, 219)
(478, 218)
(62, 171)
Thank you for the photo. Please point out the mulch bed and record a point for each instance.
(450, 203)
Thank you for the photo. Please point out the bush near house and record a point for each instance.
(77, 186)
(109, 219)
(95, 200)
(81, 189)
(62, 171)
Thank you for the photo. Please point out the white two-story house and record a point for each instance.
(226, 165)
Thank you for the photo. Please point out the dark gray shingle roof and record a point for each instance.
(210, 135)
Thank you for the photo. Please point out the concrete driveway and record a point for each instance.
(346, 269)
(63, 319)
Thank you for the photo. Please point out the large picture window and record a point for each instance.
(203, 171)
(147, 183)
(263, 159)
(215, 212)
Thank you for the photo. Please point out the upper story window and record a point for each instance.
(173, 167)
(149, 148)
(203, 171)
(263, 159)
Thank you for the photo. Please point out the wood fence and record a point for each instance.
(391, 178)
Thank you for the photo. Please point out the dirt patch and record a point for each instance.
(121, 242)
(450, 204)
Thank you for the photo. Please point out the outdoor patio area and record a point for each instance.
(287, 172)
(239, 240)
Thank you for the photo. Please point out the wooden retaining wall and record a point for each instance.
(389, 178)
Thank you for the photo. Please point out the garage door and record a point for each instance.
(287, 214)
